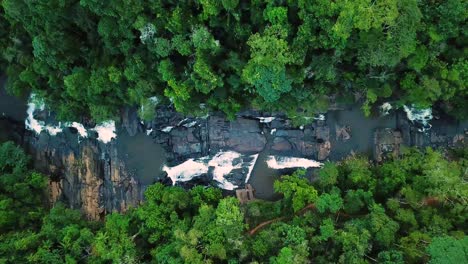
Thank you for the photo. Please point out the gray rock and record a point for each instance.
(387, 142)
(241, 135)
(281, 144)
(88, 176)
(322, 133)
(131, 121)
(91, 176)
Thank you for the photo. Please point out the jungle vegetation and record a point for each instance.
(407, 210)
(91, 57)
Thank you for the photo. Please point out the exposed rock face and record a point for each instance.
(91, 176)
(185, 138)
(130, 121)
(241, 135)
(387, 142)
(281, 144)
(311, 141)
(324, 150)
(87, 176)
(343, 133)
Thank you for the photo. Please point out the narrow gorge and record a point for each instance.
(102, 171)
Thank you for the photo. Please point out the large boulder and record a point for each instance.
(241, 135)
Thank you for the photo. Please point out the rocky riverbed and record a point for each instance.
(101, 176)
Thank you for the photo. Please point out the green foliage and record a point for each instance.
(21, 191)
(448, 250)
(355, 200)
(390, 257)
(419, 217)
(114, 242)
(296, 190)
(331, 202)
(22, 200)
(64, 237)
(148, 108)
(327, 229)
(328, 174)
(357, 174)
(86, 57)
(266, 69)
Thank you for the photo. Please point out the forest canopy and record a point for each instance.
(90, 57)
(408, 210)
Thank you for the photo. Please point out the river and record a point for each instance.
(10, 108)
(145, 158)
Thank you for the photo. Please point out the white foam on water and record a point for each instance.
(266, 119)
(186, 171)
(385, 108)
(81, 129)
(31, 123)
(36, 125)
(421, 116)
(191, 124)
(106, 131)
(182, 121)
(251, 167)
(320, 117)
(154, 99)
(280, 162)
(53, 130)
(167, 129)
(223, 163)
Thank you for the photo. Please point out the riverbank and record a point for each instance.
(258, 147)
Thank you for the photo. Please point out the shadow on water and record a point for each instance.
(11, 106)
(263, 177)
(6, 130)
(143, 157)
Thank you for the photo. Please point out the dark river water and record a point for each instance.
(11, 106)
(361, 141)
(145, 158)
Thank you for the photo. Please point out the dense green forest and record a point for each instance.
(409, 210)
(91, 57)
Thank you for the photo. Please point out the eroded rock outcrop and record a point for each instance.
(241, 135)
(88, 175)
(387, 143)
(249, 133)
